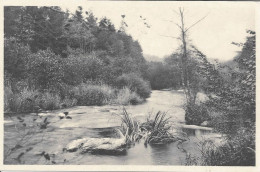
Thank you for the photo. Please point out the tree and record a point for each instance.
(190, 90)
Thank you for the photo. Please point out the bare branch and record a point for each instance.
(197, 22)
(178, 25)
(175, 12)
(169, 21)
(174, 23)
(170, 36)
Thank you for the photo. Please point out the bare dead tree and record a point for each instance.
(190, 96)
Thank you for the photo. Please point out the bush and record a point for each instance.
(92, 94)
(45, 69)
(196, 114)
(27, 100)
(15, 58)
(49, 101)
(8, 95)
(78, 69)
(135, 84)
(125, 97)
(67, 102)
(11, 101)
(19, 102)
(163, 75)
(239, 150)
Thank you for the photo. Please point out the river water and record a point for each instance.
(99, 121)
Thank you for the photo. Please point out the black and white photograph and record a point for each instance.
(159, 83)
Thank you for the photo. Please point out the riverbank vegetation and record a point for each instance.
(230, 108)
(56, 59)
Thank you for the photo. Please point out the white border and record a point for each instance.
(123, 167)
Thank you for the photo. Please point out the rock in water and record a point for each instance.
(98, 145)
(75, 145)
(61, 115)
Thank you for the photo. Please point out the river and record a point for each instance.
(99, 121)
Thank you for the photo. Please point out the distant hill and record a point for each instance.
(152, 58)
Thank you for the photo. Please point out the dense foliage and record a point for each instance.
(164, 75)
(230, 87)
(51, 51)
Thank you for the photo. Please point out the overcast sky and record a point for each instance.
(226, 22)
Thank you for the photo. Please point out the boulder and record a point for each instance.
(75, 145)
(98, 145)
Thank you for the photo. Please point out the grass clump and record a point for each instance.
(49, 101)
(92, 94)
(130, 128)
(82, 95)
(159, 130)
(125, 97)
(135, 83)
(19, 102)
(27, 100)
(153, 131)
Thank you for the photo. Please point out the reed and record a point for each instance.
(153, 131)
(130, 128)
(159, 129)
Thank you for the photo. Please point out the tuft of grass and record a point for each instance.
(8, 99)
(125, 97)
(49, 101)
(20, 102)
(159, 130)
(130, 128)
(135, 83)
(153, 131)
(26, 101)
(67, 102)
(93, 94)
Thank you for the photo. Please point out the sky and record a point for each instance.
(225, 22)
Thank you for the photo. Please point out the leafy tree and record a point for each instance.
(163, 75)
(15, 58)
(45, 69)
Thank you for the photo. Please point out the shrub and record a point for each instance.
(8, 95)
(11, 102)
(20, 102)
(196, 114)
(67, 102)
(135, 84)
(125, 97)
(239, 150)
(92, 94)
(163, 75)
(45, 69)
(15, 58)
(78, 69)
(49, 101)
(27, 100)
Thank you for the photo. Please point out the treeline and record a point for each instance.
(54, 58)
(165, 74)
(230, 108)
